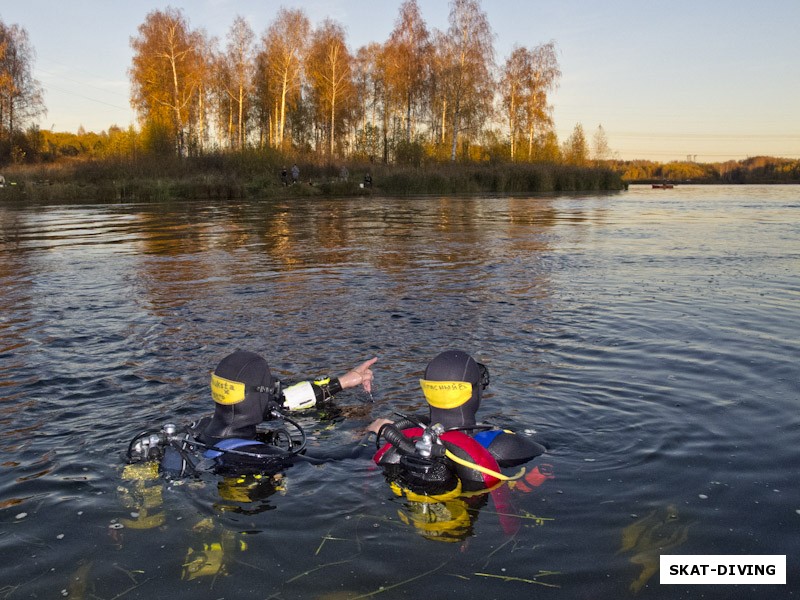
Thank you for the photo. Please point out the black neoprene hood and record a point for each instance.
(455, 365)
(240, 419)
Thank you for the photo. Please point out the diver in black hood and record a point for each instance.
(454, 405)
(453, 384)
(445, 464)
(245, 393)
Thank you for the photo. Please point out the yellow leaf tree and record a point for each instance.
(329, 70)
(167, 73)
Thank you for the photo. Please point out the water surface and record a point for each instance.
(649, 338)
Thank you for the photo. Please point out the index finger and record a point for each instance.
(367, 364)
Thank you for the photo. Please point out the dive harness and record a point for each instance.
(276, 447)
(422, 465)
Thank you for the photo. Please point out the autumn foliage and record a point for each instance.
(422, 94)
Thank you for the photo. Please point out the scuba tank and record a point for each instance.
(414, 452)
(420, 464)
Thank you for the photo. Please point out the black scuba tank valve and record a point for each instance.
(426, 446)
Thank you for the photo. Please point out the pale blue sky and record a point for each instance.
(712, 79)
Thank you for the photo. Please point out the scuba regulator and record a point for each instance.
(147, 446)
(421, 466)
(180, 452)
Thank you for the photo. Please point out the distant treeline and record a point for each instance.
(759, 169)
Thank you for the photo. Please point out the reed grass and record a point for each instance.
(226, 177)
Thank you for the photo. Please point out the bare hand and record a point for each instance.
(362, 375)
(376, 425)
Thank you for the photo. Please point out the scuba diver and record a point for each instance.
(247, 432)
(247, 441)
(446, 463)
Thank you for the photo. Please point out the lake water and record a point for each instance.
(650, 338)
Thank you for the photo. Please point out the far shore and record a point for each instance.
(226, 180)
(250, 176)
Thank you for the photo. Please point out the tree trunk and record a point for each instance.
(408, 118)
(201, 122)
(456, 127)
(511, 126)
(241, 111)
(444, 120)
(530, 142)
(333, 122)
(176, 104)
(282, 123)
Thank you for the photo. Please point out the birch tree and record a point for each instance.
(469, 53)
(369, 80)
(20, 93)
(407, 61)
(542, 79)
(283, 47)
(239, 67)
(166, 72)
(330, 76)
(575, 150)
(516, 72)
(600, 148)
(528, 76)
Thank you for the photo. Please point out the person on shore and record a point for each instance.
(367, 180)
(284, 177)
(295, 173)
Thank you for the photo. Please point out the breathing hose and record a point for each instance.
(395, 437)
(482, 469)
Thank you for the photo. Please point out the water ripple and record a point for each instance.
(648, 340)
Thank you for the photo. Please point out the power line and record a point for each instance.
(63, 91)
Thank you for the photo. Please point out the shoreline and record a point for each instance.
(195, 180)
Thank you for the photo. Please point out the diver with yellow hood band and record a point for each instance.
(249, 440)
(453, 384)
(429, 460)
(246, 395)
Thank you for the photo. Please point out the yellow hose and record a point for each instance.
(484, 470)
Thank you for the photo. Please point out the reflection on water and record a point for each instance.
(648, 337)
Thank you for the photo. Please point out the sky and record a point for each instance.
(704, 80)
